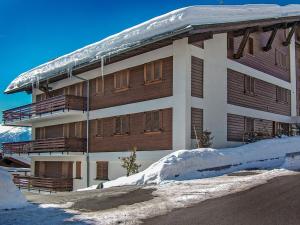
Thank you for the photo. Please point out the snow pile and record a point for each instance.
(10, 196)
(199, 163)
(169, 24)
(292, 162)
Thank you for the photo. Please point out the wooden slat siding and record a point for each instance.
(196, 122)
(78, 89)
(197, 77)
(137, 91)
(298, 77)
(264, 97)
(261, 60)
(236, 127)
(137, 136)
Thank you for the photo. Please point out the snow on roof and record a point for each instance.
(170, 22)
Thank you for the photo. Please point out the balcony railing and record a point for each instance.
(51, 105)
(46, 145)
(43, 183)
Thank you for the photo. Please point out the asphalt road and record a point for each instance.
(274, 203)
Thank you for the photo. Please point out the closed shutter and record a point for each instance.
(78, 169)
(102, 170)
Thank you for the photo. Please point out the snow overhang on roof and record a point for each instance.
(166, 25)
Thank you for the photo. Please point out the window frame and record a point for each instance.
(159, 129)
(281, 60)
(282, 95)
(123, 118)
(119, 75)
(153, 79)
(99, 122)
(249, 85)
(252, 121)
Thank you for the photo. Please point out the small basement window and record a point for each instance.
(101, 170)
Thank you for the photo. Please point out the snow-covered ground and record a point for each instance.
(207, 162)
(168, 196)
(10, 196)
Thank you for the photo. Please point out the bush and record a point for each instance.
(129, 163)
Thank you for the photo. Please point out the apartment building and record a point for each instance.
(232, 78)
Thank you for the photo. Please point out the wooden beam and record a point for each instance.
(268, 47)
(287, 42)
(243, 43)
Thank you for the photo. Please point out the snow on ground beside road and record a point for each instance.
(10, 196)
(168, 196)
(193, 164)
(178, 194)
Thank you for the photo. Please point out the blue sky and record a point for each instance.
(35, 31)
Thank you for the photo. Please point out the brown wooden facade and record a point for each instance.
(257, 94)
(275, 62)
(136, 85)
(238, 127)
(105, 136)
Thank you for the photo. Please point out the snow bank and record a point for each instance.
(10, 196)
(157, 27)
(192, 164)
(292, 162)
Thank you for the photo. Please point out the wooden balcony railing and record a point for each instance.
(46, 145)
(43, 183)
(58, 103)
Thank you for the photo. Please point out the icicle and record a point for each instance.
(102, 72)
(70, 73)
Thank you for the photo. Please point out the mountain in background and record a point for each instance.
(14, 134)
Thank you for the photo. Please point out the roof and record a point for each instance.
(167, 25)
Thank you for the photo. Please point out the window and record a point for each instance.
(122, 125)
(99, 85)
(78, 130)
(99, 128)
(248, 125)
(102, 170)
(251, 46)
(281, 59)
(281, 95)
(249, 85)
(78, 170)
(121, 80)
(153, 72)
(153, 121)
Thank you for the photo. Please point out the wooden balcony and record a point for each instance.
(45, 145)
(43, 183)
(63, 103)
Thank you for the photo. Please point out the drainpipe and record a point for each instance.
(87, 128)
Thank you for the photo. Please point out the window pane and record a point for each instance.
(157, 70)
(148, 121)
(148, 72)
(155, 122)
(118, 125)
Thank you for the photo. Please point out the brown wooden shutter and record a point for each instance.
(148, 120)
(99, 128)
(78, 169)
(118, 125)
(102, 170)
